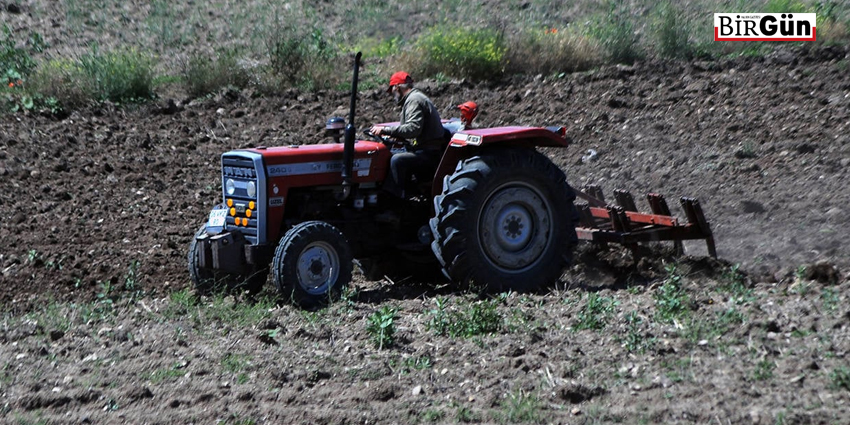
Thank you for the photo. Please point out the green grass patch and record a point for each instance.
(709, 329)
(521, 407)
(735, 283)
(636, 340)
(411, 364)
(167, 374)
(829, 299)
(235, 363)
(476, 318)
(432, 415)
(202, 75)
(671, 300)
(119, 76)
(595, 312)
(672, 32)
(617, 32)
(301, 56)
(459, 51)
(840, 378)
(764, 370)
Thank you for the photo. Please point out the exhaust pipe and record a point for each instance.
(350, 131)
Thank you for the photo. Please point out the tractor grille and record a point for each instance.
(238, 175)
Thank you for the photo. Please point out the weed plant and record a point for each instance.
(381, 327)
(521, 407)
(671, 300)
(635, 340)
(478, 318)
(595, 313)
(737, 286)
(840, 378)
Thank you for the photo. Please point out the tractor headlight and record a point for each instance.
(252, 189)
(230, 186)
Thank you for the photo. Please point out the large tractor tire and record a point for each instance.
(312, 263)
(506, 220)
(210, 281)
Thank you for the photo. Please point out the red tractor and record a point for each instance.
(496, 211)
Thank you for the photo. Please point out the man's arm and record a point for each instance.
(414, 121)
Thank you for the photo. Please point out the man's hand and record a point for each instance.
(377, 130)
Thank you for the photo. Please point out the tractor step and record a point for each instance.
(600, 222)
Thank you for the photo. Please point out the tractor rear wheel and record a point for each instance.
(208, 281)
(312, 263)
(506, 220)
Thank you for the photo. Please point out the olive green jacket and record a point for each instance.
(420, 121)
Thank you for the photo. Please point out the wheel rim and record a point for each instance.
(318, 268)
(514, 227)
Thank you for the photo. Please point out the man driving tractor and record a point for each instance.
(421, 125)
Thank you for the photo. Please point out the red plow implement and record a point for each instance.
(623, 224)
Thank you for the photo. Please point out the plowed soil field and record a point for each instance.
(97, 209)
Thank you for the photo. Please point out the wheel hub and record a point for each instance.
(318, 267)
(514, 226)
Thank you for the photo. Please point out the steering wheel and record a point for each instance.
(387, 140)
(375, 137)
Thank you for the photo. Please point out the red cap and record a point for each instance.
(400, 77)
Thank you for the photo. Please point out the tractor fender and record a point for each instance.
(466, 143)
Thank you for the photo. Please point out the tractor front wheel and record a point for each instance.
(506, 220)
(312, 263)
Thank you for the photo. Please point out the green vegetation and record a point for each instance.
(167, 374)
(671, 301)
(595, 312)
(672, 32)
(764, 370)
(551, 51)
(235, 363)
(521, 407)
(617, 33)
(202, 75)
(840, 378)
(737, 286)
(712, 328)
(432, 415)
(271, 47)
(300, 57)
(381, 328)
(830, 299)
(478, 318)
(119, 76)
(636, 340)
(411, 364)
(459, 52)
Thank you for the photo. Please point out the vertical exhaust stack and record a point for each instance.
(350, 130)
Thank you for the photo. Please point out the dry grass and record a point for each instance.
(551, 51)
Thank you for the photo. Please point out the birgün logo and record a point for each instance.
(765, 26)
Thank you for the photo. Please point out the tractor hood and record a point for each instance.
(316, 159)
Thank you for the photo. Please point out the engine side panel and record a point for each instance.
(314, 166)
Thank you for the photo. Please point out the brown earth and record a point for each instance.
(764, 143)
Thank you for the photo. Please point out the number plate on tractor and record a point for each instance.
(217, 218)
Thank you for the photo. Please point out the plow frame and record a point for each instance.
(600, 222)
